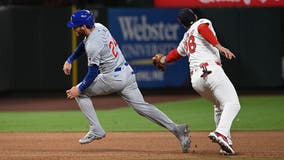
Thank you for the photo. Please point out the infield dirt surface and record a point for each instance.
(124, 145)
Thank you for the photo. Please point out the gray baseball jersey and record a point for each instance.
(116, 76)
(102, 50)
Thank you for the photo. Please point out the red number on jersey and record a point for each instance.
(112, 45)
(191, 45)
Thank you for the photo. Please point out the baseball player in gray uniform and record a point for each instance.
(109, 72)
(208, 78)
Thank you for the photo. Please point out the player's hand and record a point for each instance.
(73, 92)
(67, 68)
(225, 51)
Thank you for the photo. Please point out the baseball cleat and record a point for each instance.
(222, 141)
(230, 142)
(222, 152)
(90, 136)
(182, 134)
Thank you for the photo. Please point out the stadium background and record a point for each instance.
(35, 42)
(38, 122)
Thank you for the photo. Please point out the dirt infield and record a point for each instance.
(124, 145)
(134, 146)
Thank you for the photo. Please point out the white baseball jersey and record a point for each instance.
(216, 86)
(102, 50)
(196, 47)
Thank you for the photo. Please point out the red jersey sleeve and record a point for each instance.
(172, 56)
(207, 34)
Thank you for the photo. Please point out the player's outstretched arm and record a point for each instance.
(225, 51)
(159, 60)
(207, 34)
(77, 53)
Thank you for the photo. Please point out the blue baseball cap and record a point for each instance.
(81, 17)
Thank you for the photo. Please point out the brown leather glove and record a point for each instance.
(159, 61)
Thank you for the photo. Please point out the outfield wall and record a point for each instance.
(35, 42)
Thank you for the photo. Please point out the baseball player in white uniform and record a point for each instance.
(208, 78)
(109, 72)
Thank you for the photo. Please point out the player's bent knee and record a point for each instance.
(236, 106)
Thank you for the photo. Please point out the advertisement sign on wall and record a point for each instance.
(142, 32)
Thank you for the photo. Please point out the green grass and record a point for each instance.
(257, 113)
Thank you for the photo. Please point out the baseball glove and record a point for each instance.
(159, 61)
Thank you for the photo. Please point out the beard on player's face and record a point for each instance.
(79, 31)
